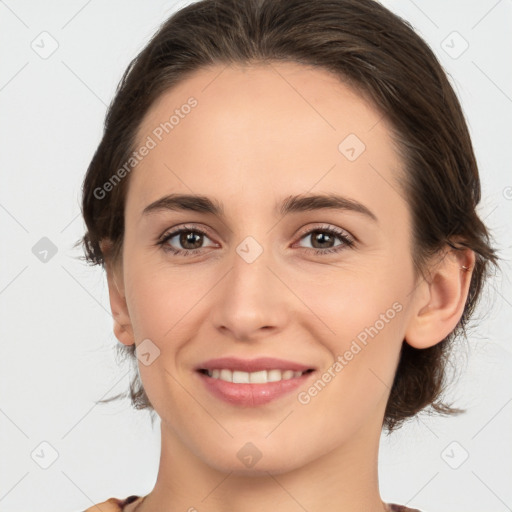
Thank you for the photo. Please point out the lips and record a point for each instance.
(252, 382)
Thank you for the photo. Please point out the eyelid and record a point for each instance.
(327, 227)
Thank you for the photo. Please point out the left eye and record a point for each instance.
(325, 236)
(322, 236)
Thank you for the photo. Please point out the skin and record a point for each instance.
(259, 134)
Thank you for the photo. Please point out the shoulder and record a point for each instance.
(112, 504)
(401, 508)
(118, 505)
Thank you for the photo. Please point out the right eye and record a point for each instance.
(185, 236)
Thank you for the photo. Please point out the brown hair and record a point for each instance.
(367, 47)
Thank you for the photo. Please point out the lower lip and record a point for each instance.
(250, 395)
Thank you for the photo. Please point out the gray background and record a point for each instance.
(57, 344)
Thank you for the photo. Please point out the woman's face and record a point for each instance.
(262, 272)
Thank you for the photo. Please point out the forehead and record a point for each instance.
(294, 91)
(279, 126)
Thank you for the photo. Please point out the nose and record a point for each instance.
(252, 301)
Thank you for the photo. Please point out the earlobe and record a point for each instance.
(441, 301)
(122, 324)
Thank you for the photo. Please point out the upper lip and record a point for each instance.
(252, 365)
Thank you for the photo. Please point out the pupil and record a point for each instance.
(188, 238)
(322, 238)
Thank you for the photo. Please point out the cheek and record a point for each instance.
(159, 299)
(363, 353)
(363, 324)
(347, 302)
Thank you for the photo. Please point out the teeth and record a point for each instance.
(260, 377)
(240, 377)
(273, 375)
(226, 375)
(257, 377)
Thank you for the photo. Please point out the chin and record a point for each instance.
(263, 467)
(253, 458)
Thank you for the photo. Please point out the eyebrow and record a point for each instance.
(291, 204)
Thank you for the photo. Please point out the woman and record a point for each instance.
(284, 203)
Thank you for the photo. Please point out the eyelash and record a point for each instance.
(347, 241)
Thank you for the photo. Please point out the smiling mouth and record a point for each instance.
(259, 377)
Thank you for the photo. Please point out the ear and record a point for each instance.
(440, 301)
(122, 324)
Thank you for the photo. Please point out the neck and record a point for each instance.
(343, 480)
